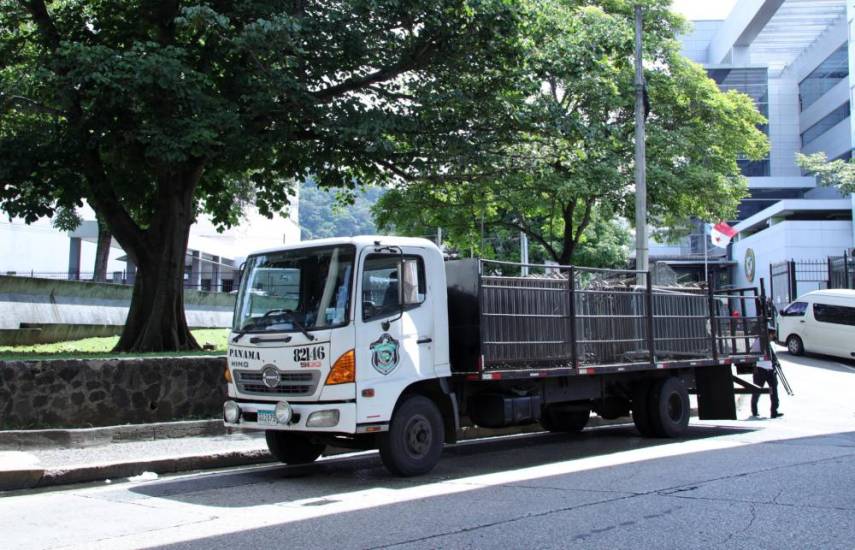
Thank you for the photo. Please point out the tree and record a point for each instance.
(67, 219)
(156, 111)
(569, 163)
(331, 213)
(839, 174)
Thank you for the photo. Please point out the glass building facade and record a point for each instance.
(828, 122)
(832, 70)
(753, 82)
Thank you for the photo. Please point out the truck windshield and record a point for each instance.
(295, 290)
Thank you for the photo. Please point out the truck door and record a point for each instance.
(394, 330)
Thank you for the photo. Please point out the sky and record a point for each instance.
(703, 9)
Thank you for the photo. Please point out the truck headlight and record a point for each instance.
(231, 412)
(283, 412)
(323, 419)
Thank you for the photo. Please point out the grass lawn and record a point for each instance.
(99, 348)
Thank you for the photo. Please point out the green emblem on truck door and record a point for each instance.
(384, 354)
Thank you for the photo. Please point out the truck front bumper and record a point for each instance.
(301, 413)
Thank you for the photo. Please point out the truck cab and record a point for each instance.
(329, 335)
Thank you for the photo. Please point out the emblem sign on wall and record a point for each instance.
(750, 265)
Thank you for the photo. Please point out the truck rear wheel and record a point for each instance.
(641, 409)
(669, 407)
(413, 444)
(556, 420)
(292, 448)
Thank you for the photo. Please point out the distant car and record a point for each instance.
(822, 321)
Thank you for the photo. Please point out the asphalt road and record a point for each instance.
(783, 483)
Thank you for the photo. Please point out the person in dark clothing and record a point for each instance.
(765, 373)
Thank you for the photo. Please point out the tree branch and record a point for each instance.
(43, 21)
(406, 63)
(35, 105)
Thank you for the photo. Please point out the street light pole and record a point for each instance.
(641, 261)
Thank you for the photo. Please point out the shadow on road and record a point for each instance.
(282, 484)
(698, 499)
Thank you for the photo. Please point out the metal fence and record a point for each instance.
(791, 279)
(208, 281)
(841, 271)
(580, 316)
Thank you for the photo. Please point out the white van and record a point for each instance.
(822, 321)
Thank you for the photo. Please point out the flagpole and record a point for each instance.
(706, 256)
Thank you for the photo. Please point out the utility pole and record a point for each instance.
(641, 262)
(524, 253)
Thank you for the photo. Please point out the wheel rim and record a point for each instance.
(793, 346)
(418, 436)
(675, 407)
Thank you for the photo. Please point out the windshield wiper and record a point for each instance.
(244, 329)
(290, 314)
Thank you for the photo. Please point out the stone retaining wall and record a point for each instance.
(85, 393)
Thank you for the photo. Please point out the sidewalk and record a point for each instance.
(42, 458)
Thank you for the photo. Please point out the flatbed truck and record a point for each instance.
(380, 342)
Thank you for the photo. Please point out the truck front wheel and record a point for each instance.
(292, 448)
(413, 444)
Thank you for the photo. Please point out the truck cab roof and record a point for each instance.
(359, 241)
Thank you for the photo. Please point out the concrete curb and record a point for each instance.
(17, 440)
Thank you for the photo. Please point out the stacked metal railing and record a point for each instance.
(580, 316)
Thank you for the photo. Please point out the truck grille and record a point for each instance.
(291, 384)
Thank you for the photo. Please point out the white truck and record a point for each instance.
(378, 342)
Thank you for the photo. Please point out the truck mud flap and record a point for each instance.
(716, 396)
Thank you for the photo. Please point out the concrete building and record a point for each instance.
(795, 59)
(212, 261)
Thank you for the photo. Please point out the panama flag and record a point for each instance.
(721, 233)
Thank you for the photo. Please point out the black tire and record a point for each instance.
(641, 409)
(795, 345)
(669, 407)
(292, 448)
(556, 420)
(413, 444)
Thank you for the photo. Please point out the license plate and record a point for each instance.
(266, 417)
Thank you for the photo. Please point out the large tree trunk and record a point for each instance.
(156, 320)
(102, 251)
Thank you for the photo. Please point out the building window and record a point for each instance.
(753, 82)
(831, 71)
(753, 168)
(828, 122)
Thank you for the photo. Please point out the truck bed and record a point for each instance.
(583, 321)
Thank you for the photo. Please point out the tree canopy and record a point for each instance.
(565, 171)
(153, 111)
(839, 173)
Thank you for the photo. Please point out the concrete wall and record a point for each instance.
(88, 393)
(78, 306)
(695, 45)
(788, 240)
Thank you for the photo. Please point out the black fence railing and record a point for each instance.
(208, 281)
(841, 271)
(597, 317)
(792, 278)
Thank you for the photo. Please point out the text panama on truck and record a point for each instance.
(378, 342)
